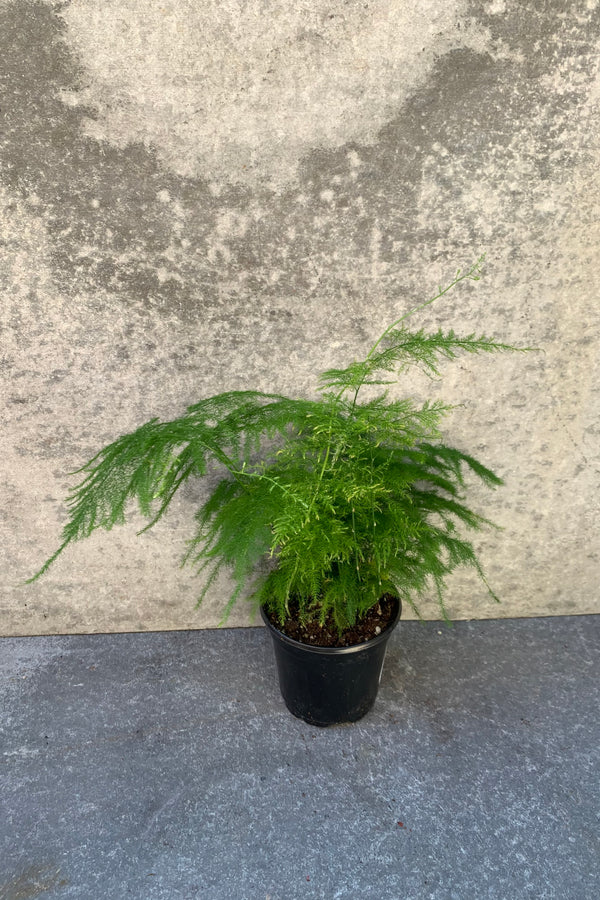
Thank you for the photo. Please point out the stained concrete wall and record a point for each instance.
(201, 196)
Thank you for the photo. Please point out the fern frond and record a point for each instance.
(402, 348)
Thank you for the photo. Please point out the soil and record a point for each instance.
(372, 624)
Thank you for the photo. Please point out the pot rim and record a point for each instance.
(334, 651)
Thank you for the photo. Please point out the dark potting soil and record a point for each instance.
(374, 622)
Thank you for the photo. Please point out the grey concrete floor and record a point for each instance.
(166, 767)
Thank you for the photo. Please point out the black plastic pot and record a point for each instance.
(329, 685)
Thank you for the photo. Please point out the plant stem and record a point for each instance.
(472, 274)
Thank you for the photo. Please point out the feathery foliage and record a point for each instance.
(330, 502)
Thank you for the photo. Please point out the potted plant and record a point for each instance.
(331, 513)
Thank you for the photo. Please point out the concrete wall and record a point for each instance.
(201, 196)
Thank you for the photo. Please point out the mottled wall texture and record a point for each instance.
(238, 193)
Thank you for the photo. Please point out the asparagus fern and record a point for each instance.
(329, 502)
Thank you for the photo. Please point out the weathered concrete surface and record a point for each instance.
(130, 770)
(196, 197)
